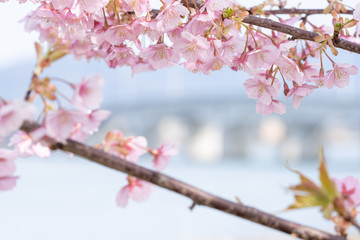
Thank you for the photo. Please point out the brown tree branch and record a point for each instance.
(298, 33)
(295, 33)
(301, 11)
(198, 196)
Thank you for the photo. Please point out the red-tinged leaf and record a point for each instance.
(326, 183)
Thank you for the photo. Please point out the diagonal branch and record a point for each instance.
(301, 11)
(296, 33)
(198, 196)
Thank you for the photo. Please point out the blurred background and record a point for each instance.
(225, 148)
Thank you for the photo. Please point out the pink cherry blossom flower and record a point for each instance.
(119, 56)
(267, 55)
(340, 75)
(349, 187)
(274, 107)
(215, 6)
(311, 71)
(215, 63)
(7, 169)
(137, 189)
(90, 6)
(199, 23)
(239, 62)
(192, 47)
(29, 144)
(137, 6)
(117, 34)
(262, 89)
(160, 56)
(47, 21)
(233, 45)
(8, 183)
(89, 125)
(87, 94)
(61, 4)
(162, 155)
(299, 92)
(61, 125)
(129, 148)
(290, 70)
(169, 17)
(13, 114)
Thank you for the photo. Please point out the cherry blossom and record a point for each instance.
(262, 89)
(61, 125)
(7, 169)
(298, 93)
(266, 55)
(162, 155)
(90, 6)
(340, 75)
(137, 189)
(87, 94)
(13, 114)
(129, 148)
(28, 144)
(192, 47)
(349, 187)
(137, 6)
(89, 125)
(117, 34)
(160, 56)
(274, 107)
(290, 70)
(169, 16)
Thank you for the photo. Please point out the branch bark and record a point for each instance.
(295, 33)
(298, 33)
(198, 196)
(300, 11)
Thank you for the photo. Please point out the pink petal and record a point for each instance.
(7, 183)
(122, 197)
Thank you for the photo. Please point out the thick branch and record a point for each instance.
(198, 196)
(300, 11)
(296, 33)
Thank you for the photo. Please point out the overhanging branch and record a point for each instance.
(295, 33)
(301, 11)
(198, 196)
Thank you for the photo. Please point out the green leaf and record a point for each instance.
(326, 183)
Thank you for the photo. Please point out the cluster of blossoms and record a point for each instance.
(203, 37)
(131, 149)
(58, 125)
(75, 124)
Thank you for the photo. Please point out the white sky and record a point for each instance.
(18, 46)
